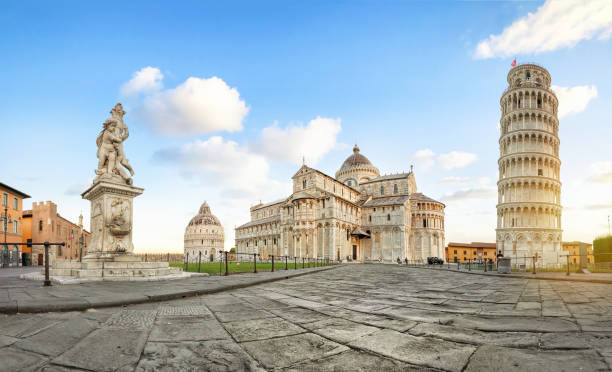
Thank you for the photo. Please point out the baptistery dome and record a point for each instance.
(204, 236)
(356, 169)
(204, 217)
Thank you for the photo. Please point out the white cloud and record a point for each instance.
(456, 159)
(456, 180)
(481, 192)
(293, 142)
(425, 158)
(574, 99)
(601, 172)
(146, 80)
(242, 174)
(555, 25)
(194, 107)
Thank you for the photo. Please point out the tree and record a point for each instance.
(602, 249)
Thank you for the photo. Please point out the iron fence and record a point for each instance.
(567, 263)
(234, 263)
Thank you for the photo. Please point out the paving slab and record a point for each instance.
(285, 351)
(47, 341)
(106, 349)
(13, 359)
(422, 351)
(507, 359)
(259, 329)
(218, 355)
(471, 336)
(186, 329)
(355, 361)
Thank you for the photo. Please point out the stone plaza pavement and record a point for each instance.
(27, 296)
(351, 318)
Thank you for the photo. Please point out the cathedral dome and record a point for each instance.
(354, 160)
(204, 217)
(356, 169)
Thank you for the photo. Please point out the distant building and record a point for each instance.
(43, 224)
(204, 236)
(471, 252)
(11, 226)
(579, 252)
(357, 216)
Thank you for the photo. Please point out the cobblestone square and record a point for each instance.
(351, 318)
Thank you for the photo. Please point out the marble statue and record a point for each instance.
(110, 149)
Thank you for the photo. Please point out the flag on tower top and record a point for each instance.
(513, 63)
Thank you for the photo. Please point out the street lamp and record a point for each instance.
(5, 227)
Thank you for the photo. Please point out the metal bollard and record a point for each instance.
(534, 263)
(255, 263)
(47, 282)
(187, 262)
(285, 262)
(486, 266)
(199, 260)
(568, 263)
(470, 265)
(302, 262)
(226, 265)
(272, 263)
(294, 263)
(145, 257)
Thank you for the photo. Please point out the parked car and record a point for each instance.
(435, 261)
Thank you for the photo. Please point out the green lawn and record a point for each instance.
(240, 267)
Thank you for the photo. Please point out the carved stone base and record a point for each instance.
(111, 219)
(121, 267)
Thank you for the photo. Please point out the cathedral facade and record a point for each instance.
(204, 237)
(357, 216)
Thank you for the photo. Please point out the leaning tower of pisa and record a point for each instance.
(529, 189)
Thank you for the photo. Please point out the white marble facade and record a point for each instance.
(529, 187)
(356, 216)
(204, 237)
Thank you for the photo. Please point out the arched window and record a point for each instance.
(370, 218)
(40, 225)
(388, 217)
(348, 234)
(382, 190)
(424, 222)
(395, 188)
(304, 184)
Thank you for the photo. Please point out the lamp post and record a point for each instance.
(5, 227)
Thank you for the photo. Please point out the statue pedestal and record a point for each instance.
(111, 220)
(110, 253)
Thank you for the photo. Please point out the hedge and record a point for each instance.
(602, 249)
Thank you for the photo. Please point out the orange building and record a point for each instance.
(43, 224)
(11, 226)
(579, 252)
(474, 252)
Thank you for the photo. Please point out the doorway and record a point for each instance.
(40, 259)
(354, 252)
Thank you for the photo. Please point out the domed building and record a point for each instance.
(356, 169)
(204, 235)
(357, 216)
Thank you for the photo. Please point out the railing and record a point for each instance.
(161, 257)
(234, 263)
(568, 264)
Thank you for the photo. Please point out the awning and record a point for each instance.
(360, 233)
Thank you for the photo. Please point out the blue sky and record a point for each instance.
(410, 82)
